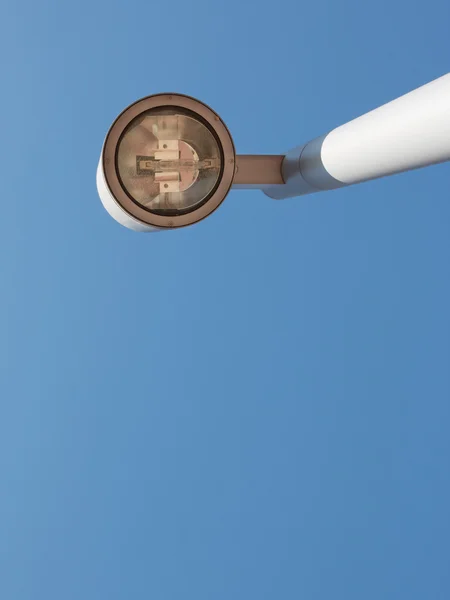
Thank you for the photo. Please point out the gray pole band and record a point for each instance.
(304, 172)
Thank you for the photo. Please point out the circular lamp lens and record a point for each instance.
(169, 161)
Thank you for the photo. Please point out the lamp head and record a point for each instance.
(168, 161)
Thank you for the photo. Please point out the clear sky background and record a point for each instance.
(254, 408)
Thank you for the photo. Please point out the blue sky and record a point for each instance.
(256, 407)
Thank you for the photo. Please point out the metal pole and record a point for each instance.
(257, 171)
(410, 132)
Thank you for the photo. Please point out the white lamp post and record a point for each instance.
(169, 161)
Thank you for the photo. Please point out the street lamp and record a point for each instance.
(169, 161)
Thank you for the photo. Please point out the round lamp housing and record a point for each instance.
(168, 161)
